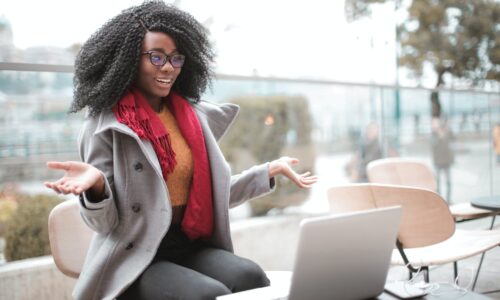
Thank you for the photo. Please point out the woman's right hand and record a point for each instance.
(78, 178)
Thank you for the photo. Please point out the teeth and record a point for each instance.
(164, 80)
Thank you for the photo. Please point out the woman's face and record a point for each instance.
(153, 81)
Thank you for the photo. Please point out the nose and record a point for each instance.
(167, 67)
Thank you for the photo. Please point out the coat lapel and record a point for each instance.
(218, 118)
(215, 121)
(108, 121)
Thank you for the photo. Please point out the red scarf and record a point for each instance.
(134, 111)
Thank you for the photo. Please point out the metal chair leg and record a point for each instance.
(482, 257)
(426, 274)
(492, 222)
(455, 271)
(477, 272)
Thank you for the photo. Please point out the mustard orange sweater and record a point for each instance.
(179, 181)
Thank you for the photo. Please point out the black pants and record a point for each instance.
(189, 270)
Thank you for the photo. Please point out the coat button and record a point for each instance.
(138, 167)
(129, 246)
(136, 207)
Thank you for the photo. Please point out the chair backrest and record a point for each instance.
(426, 218)
(401, 171)
(69, 238)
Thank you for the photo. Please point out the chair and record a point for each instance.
(410, 172)
(427, 234)
(69, 237)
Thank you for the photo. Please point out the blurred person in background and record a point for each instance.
(496, 142)
(442, 153)
(153, 183)
(370, 150)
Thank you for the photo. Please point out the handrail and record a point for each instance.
(27, 67)
(33, 67)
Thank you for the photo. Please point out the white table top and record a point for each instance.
(279, 289)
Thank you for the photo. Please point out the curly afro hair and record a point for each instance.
(108, 62)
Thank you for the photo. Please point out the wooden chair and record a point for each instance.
(427, 234)
(69, 237)
(411, 172)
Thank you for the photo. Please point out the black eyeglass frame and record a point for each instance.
(167, 58)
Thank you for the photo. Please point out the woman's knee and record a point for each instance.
(208, 290)
(165, 280)
(195, 290)
(249, 276)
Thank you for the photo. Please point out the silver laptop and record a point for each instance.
(342, 256)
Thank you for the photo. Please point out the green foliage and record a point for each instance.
(455, 37)
(7, 210)
(355, 9)
(267, 128)
(27, 230)
(9, 192)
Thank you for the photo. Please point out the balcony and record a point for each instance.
(35, 128)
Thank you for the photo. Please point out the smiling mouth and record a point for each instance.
(164, 81)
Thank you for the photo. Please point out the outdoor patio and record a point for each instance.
(489, 277)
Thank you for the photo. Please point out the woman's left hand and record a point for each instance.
(283, 166)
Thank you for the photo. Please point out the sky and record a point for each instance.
(297, 39)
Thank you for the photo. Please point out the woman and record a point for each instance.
(442, 153)
(153, 183)
(496, 142)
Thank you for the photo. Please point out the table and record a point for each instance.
(261, 295)
(490, 203)
(281, 283)
(446, 296)
(487, 202)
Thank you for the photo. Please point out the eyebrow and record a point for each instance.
(163, 51)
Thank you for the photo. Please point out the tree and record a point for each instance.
(355, 9)
(457, 38)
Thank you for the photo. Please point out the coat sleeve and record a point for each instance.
(251, 183)
(97, 150)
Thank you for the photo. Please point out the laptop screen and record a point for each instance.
(345, 256)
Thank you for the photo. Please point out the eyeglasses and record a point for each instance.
(159, 59)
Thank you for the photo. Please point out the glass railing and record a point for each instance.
(342, 114)
(323, 123)
(35, 126)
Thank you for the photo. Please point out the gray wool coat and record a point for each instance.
(136, 213)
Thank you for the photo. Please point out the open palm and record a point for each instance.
(78, 177)
(283, 166)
